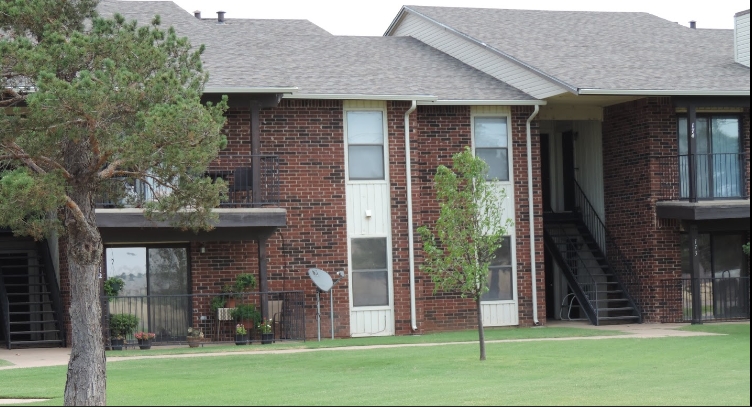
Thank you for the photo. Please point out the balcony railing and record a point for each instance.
(717, 176)
(216, 315)
(130, 193)
(721, 299)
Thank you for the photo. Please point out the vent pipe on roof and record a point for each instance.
(197, 14)
(220, 17)
(693, 24)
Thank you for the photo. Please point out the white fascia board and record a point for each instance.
(662, 92)
(395, 22)
(221, 89)
(346, 96)
(460, 102)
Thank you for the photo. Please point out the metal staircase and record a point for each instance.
(30, 306)
(577, 241)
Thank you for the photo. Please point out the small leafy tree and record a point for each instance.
(468, 232)
(85, 106)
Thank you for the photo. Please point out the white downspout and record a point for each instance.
(411, 250)
(531, 213)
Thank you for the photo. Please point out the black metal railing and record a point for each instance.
(215, 315)
(717, 176)
(721, 299)
(620, 266)
(54, 289)
(130, 193)
(4, 312)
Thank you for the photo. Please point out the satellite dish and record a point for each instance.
(321, 278)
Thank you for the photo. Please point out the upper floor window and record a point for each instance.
(365, 145)
(718, 163)
(492, 145)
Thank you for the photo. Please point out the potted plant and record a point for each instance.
(195, 337)
(112, 287)
(246, 314)
(144, 339)
(243, 283)
(121, 325)
(241, 337)
(265, 327)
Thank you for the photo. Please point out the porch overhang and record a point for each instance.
(703, 210)
(130, 226)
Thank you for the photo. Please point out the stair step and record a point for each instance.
(26, 285)
(625, 317)
(46, 321)
(30, 303)
(611, 292)
(27, 294)
(49, 331)
(612, 300)
(617, 309)
(31, 312)
(42, 342)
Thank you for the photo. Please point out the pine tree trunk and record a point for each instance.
(481, 333)
(86, 383)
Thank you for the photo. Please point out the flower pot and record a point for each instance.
(117, 344)
(241, 340)
(230, 303)
(144, 344)
(193, 342)
(267, 338)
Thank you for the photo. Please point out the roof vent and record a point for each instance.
(197, 14)
(220, 17)
(693, 24)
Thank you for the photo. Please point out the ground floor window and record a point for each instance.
(500, 286)
(723, 275)
(370, 272)
(157, 284)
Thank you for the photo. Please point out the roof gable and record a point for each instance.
(602, 50)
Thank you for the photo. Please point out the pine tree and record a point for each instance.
(87, 103)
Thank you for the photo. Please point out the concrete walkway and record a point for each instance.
(23, 358)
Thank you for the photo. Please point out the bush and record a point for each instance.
(246, 312)
(122, 325)
(112, 286)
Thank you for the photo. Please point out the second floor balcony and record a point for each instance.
(698, 177)
(243, 192)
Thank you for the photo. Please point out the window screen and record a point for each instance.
(370, 278)
(365, 145)
(492, 145)
(500, 285)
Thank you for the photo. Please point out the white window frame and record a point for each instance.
(508, 185)
(385, 155)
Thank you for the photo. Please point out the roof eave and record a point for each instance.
(662, 92)
(358, 96)
(253, 89)
(482, 102)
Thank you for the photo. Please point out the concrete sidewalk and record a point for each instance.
(23, 358)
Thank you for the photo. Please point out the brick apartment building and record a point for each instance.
(617, 148)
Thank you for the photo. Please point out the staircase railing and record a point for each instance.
(583, 284)
(51, 279)
(622, 269)
(5, 311)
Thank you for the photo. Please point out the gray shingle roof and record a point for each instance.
(605, 50)
(296, 53)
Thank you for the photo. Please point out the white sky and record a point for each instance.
(358, 17)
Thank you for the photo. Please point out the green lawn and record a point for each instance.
(442, 337)
(666, 371)
(4, 363)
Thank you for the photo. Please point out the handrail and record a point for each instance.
(588, 304)
(57, 302)
(607, 244)
(5, 310)
(125, 192)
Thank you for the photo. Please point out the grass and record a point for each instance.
(709, 370)
(442, 337)
(5, 363)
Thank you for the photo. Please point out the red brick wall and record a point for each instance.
(632, 133)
